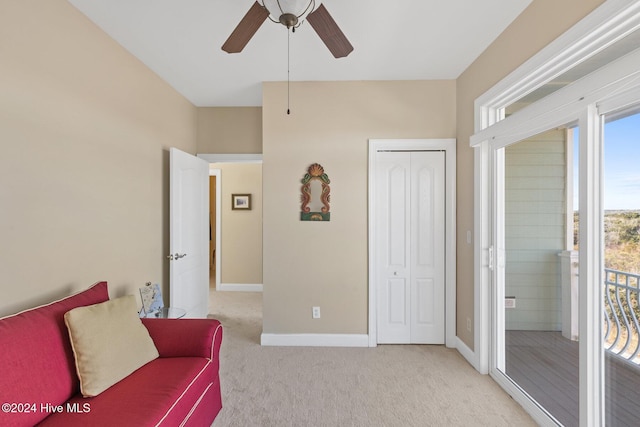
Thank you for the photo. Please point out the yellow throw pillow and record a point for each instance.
(109, 342)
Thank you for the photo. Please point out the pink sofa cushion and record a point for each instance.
(165, 392)
(36, 360)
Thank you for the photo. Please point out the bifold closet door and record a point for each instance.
(410, 248)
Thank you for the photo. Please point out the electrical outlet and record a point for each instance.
(469, 324)
(315, 312)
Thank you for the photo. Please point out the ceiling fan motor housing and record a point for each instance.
(289, 13)
(289, 20)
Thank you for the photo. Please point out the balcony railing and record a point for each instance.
(622, 314)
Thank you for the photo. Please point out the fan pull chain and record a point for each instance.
(288, 62)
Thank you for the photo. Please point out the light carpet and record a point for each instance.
(390, 385)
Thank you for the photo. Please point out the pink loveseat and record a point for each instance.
(39, 384)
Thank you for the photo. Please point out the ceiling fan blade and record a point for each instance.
(329, 32)
(246, 29)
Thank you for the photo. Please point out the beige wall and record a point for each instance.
(325, 263)
(542, 22)
(241, 230)
(229, 130)
(85, 129)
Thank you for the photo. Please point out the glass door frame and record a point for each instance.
(617, 87)
(611, 88)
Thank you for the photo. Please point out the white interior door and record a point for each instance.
(410, 248)
(189, 233)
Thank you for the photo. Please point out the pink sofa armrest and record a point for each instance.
(186, 337)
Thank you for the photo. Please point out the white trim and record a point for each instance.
(625, 100)
(373, 295)
(482, 273)
(315, 340)
(538, 414)
(239, 287)
(447, 145)
(560, 107)
(569, 190)
(467, 353)
(590, 270)
(231, 158)
(608, 23)
(218, 174)
(498, 267)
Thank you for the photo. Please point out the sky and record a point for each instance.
(621, 164)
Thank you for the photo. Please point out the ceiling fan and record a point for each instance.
(290, 13)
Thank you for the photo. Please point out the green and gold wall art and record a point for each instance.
(315, 195)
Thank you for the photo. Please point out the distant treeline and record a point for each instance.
(621, 238)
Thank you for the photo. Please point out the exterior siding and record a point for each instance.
(535, 230)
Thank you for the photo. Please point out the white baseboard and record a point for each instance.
(240, 287)
(315, 340)
(467, 353)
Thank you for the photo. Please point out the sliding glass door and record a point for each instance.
(536, 271)
(566, 271)
(557, 209)
(621, 314)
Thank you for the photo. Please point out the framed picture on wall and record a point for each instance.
(241, 202)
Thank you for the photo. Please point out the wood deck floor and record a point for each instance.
(545, 365)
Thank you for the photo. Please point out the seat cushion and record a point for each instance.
(166, 392)
(36, 361)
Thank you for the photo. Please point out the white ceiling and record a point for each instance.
(393, 40)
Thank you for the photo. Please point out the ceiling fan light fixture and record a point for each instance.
(290, 13)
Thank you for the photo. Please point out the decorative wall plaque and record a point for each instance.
(315, 195)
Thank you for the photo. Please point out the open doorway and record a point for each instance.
(236, 245)
(235, 252)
